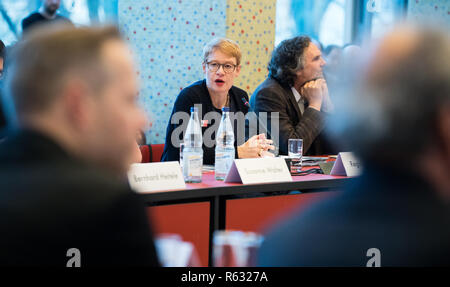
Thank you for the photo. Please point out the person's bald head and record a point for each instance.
(401, 91)
(396, 48)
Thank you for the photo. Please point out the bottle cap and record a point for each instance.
(194, 109)
(225, 109)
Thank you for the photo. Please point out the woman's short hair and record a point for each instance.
(224, 45)
(287, 59)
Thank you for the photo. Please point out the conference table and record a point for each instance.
(218, 192)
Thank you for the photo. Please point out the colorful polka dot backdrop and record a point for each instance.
(167, 38)
(437, 10)
(251, 24)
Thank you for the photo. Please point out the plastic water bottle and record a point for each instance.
(193, 152)
(224, 146)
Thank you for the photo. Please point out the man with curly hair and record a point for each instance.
(297, 91)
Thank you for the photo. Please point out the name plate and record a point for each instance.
(258, 170)
(346, 164)
(155, 176)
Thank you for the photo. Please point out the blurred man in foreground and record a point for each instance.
(398, 212)
(74, 94)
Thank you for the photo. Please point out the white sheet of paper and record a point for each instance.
(259, 170)
(156, 176)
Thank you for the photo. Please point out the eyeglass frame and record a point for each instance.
(221, 65)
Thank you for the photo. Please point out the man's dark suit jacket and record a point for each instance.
(271, 96)
(392, 210)
(51, 202)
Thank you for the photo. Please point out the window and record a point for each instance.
(380, 15)
(80, 12)
(323, 20)
(336, 22)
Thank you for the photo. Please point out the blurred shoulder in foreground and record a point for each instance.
(62, 168)
(398, 122)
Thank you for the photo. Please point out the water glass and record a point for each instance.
(181, 156)
(295, 153)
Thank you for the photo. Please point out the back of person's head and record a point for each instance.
(287, 59)
(333, 54)
(393, 115)
(43, 61)
(330, 48)
(79, 86)
(351, 51)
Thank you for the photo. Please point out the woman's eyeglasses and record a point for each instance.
(227, 68)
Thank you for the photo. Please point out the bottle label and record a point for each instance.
(224, 160)
(194, 167)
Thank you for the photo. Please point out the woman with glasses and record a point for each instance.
(221, 65)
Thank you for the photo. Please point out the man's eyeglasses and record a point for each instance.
(227, 68)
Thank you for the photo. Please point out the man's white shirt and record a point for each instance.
(299, 99)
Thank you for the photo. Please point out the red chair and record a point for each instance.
(151, 153)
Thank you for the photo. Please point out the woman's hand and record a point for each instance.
(256, 146)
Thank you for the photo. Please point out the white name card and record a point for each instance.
(155, 176)
(346, 164)
(259, 170)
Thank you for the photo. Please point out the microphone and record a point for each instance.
(252, 112)
(261, 124)
(246, 103)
